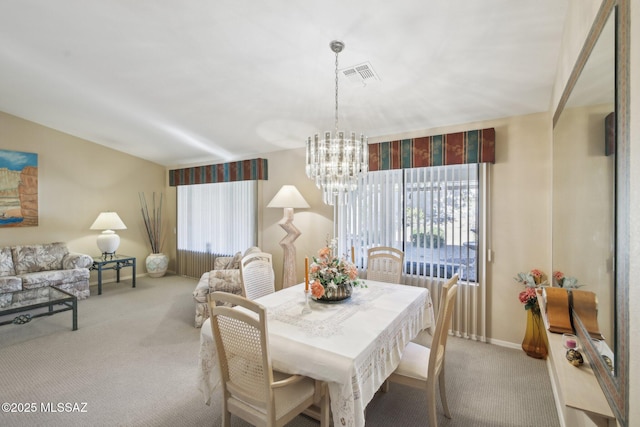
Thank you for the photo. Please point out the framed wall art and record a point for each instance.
(18, 189)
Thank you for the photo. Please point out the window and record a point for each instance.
(217, 218)
(431, 213)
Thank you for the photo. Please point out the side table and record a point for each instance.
(113, 262)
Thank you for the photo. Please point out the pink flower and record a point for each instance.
(324, 252)
(538, 276)
(317, 290)
(528, 295)
(558, 275)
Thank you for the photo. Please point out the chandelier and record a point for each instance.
(336, 161)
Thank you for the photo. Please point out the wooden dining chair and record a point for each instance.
(423, 367)
(384, 264)
(425, 336)
(252, 390)
(256, 271)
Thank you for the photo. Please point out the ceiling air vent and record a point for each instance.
(362, 73)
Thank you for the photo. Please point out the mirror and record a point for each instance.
(590, 190)
(583, 203)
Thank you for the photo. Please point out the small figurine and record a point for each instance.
(574, 357)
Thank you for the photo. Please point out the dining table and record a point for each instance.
(353, 345)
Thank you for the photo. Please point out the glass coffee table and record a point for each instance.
(31, 299)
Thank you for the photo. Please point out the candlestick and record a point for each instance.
(306, 274)
(307, 308)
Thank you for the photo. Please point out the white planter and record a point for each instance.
(156, 265)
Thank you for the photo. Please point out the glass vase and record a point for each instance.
(534, 342)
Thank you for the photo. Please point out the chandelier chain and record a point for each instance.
(336, 118)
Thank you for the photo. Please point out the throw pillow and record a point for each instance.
(234, 264)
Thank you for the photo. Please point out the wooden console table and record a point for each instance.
(113, 262)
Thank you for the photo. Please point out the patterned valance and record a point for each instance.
(475, 146)
(243, 170)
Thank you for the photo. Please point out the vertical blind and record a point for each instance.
(434, 215)
(429, 213)
(218, 218)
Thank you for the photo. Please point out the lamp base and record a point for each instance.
(289, 268)
(108, 242)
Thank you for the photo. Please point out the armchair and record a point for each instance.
(224, 277)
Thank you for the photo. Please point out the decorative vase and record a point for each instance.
(157, 265)
(335, 293)
(534, 342)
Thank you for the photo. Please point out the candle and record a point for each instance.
(353, 255)
(306, 274)
(571, 343)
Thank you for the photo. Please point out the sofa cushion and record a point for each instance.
(6, 262)
(10, 284)
(59, 278)
(7, 299)
(34, 258)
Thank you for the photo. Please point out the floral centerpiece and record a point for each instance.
(531, 280)
(332, 278)
(560, 280)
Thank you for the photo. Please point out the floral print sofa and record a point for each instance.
(34, 266)
(224, 277)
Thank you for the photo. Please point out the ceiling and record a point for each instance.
(204, 81)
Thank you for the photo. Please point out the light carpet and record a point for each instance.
(134, 362)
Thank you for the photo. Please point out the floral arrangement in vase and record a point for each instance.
(332, 277)
(534, 342)
(531, 280)
(562, 281)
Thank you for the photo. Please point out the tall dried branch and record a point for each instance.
(152, 221)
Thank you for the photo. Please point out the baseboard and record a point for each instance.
(123, 278)
(506, 344)
(129, 278)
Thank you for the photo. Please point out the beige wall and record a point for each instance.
(76, 181)
(315, 223)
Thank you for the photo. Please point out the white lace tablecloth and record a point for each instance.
(353, 345)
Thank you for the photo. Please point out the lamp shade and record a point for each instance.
(108, 221)
(108, 241)
(288, 197)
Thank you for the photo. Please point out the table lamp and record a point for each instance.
(108, 241)
(288, 198)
